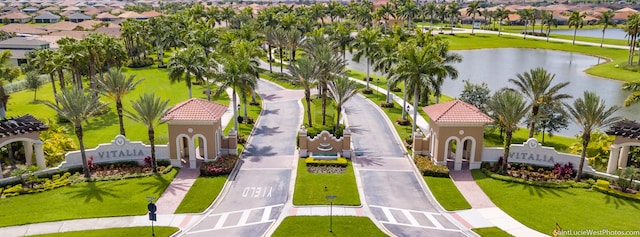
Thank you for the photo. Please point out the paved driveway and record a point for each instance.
(258, 192)
(393, 193)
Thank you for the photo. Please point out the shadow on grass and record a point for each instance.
(620, 202)
(541, 192)
(101, 121)
(159, 184)
(92, 191)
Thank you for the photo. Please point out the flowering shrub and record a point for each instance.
(223, 165)
(428, 168)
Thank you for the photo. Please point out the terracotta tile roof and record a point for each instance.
(23, 29)
(16, 15)
(456, 111)
(151, 14)
(196, 109)
(71, 34)
(89, 24)
(132, 15)
(62, 25)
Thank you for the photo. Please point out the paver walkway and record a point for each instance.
(178, 188)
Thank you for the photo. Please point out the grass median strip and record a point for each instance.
(312, 188)
(319, 226)
(447, 193)
(203, 192)
(491, 232)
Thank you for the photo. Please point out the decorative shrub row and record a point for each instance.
(566, 184)
(428, 168)
(43, 184)
(222, 166)
(341, 162)
(603, 187)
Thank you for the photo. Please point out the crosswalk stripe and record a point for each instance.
(410, 217)
(434, 221)
(389, 216)
(266, 214)
(221, 221)
(244, 217)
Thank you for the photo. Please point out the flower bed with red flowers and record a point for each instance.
(223, 165)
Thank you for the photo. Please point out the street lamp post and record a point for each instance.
(331, 212)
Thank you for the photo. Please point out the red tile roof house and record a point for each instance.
(453, 124)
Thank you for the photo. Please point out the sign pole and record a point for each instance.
(331, 212)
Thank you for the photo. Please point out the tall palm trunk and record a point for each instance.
(585, 143)
(404, 101)
(61, 78)
(235, 110)
(152, 142)
(92, 72)
(120, 117)
(507, 146)
(53, 85)
(281, 60)
(85, 166)
(532, 125)
(189, 85)
(388, 92)
(416, 94)
(338, 112)
(575, 30)
(270, 59)
(368, 62)
(324, 105)
(307, 98)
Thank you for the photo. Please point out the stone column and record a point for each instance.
(457, 165)
(624, 157)
(28, 152)
(613, 159)
(303, 142)
(39, 155)
(192, 153)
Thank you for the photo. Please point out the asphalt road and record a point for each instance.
(257, 194)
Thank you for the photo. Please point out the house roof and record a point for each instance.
(79, 16)
(71, 34)
(151, 14)
(16, 15)
(456, 111)
(109, 31)
(132, 15)
(105, 15)
(47, 15)
(23, 29)
(63, 25)
(626, 9)
(21, 125)
(196, 109)
(23, 41)
(89, 24)
(72, 8)
(625, 128)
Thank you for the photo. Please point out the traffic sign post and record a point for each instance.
(331, 212)
(152, 213)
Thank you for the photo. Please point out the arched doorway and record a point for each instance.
(25, 129)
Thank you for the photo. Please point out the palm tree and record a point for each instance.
(448, 58)
(416, 67)
(342, 89)
(305, 71)
(472, 9)
(590, 113)
(605, 19)
(632, 28)
(442, 14)
(549, 20)
(430, 9)
(576, 21)
(536, 84)
(634, 88)
(294, 40)
(239, 74)
(148, 110)
(366, 43)
(341, 35)
(388, 56)
(508, 108)
(159, 26)
(525, 15)
(453, 12)
(186, 63)
(116, 85)
(384, 12)
(408, 11)
(95, 53)
(76, 106)
(501, 14)
(75, 54)
(44, 62)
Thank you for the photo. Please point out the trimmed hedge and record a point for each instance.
(341, 161)
(568, 184)
(428, 168)
(615, 193)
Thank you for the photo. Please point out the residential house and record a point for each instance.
(62, 26)
(90, 24)
(151, 14)
(20, 47)
(24, 29)
(16, 17)
(78, 17)
(29, 10)
(111, 31)
(71, 34)
(133, 15)
(47, 17)
(105, 16)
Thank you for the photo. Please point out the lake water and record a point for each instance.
(497, 66)
(610, 33)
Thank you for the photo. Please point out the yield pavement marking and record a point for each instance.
(221, 223)
(408, 215)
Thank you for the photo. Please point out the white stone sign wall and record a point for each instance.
(531, 152)
(120, 149)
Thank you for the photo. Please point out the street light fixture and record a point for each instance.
(331, 212)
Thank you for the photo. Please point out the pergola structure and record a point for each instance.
(195, 131)
(25, 129)
(455, 135)
(627, 134)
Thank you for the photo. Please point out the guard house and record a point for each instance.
(25, 129)
(455, 136)
(195, 132)
(627, 134)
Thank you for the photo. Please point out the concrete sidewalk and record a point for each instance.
(484, 212)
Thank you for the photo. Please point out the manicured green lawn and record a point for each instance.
(491, 232)
(244, 129)
(200, 196)
(561, 143)
(606, 70)
(316, 112)
(276, 78)
(573, 208)
(319, 226)
(103, 129)
(128, 231)
(447, 193)
(86, 200)
(310, 187)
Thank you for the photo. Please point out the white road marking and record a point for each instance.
(412, 220)
(221, 221)
(266, 214)
(244, 217)
(389, 216)
(410, 217)
(433, 220)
